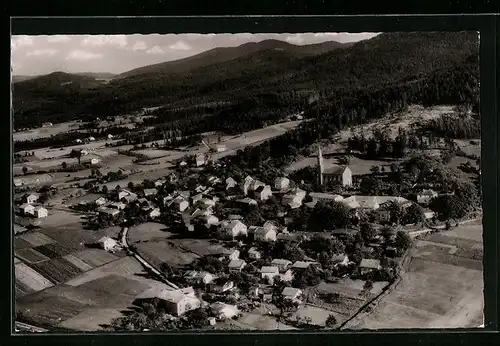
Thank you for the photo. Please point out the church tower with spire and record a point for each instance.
(321, 167)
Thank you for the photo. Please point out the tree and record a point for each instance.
(130, 185)
(367, 231)
(64, 165)
(25, 170)
(367, 287)
(403, 240)
(329, 215)
(104, 189)
(375, 170)
(76, 154)
(331, 321)
(414, 214)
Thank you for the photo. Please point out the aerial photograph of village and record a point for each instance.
(215, 182)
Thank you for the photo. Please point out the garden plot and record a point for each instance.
(49, 310)
(126, 266)
(161, 252)
(149, 231)
(57, 270)
(30, 278)
(37, 239)
(31, 255)
(95, 257)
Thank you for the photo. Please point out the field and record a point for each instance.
(37, 239)
(318, 315)
(58, 270)
(54, 250)
(149, 231)
(439, 289)
(158, 253)
(90, 319)
(201, 247)
(153, 153)
(469, 148)
(43, 132)
(95, 257)
(357, 166)
(31, 256)
(30, 278)
(34, 179)
(73, 236)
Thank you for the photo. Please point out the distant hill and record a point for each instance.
(18, 78)
(274, 74)
(224, 54)
(97, 75)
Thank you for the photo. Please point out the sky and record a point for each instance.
(43, 54)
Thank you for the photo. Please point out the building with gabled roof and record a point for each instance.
(176, 302)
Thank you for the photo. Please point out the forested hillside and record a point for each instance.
(388, 70)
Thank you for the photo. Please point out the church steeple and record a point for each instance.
(320, 167)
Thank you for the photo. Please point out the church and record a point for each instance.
(333, 173)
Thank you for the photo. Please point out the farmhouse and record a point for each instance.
(318, 196)
(40, 212)
(236, 265)
(263, 193)
(201, 212)
(292, 294)
(247, 201)
(213, 180)
(198, 277)
(175, 302)
(231, 254)
(369, 265)
(230, 183)
(255, 185)
(281, 183)
(224, 311)
(221, 286)
(234, 228)
(94, 161)
(268, 273)
(31, 198)
(101, 201)
(282, 264)
(209, 220)
(27, 209)
(108, 211)
(125, 193)
(253, 253)
(180, 203)
(107, 243)
(245, 186)
(300, 265)
(294, 198)
(150, 192)
(155, 213)
(160, 182)
(429, 214)
(117, 205)
(425, 196)
(340, 260)
(263, 234)
(200, 159)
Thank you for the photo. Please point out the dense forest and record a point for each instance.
(394, 67)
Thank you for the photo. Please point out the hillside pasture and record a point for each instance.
(31, 278)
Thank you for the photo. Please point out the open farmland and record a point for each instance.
(57, 270)
(37, 239)
(30, 278)
(31, 255)
(439, 289)
(201, 247)
(95, 257)
(161, 252)
(77, 263)
(149, 231)
(73, 236)
(43, 132)
(54, 250)
(91, 319)
(34, 179)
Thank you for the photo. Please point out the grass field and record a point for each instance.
(73, 236)
(318, 315)
(149, 231)
(95, 257)
(91, 319)
(30, 278)
(201, 247)
(42, 132)
(439, 289)
(153, 153)
(77, 263)
(34, 179)
(161, 252)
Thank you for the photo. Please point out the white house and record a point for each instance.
(180, 203)
(78, 140)
(268, 273)
(282, 264)
(213, 180)
(150, 192)
(340, 260)
(110, 136)
(234, 228)
(287, 276)
(201, 277)
(40, 212)
(230, 183)
(245, 186)
(31, 198)
(264, 234)
(253, 253)
(94, 161)
(117, 205)
(101, 201)
(369, 265)
(247, 201)
(207, 203)
(125, 193)
(231, 254)
(107, 243)
(84, 152)
(236, 265)
(220, 148)
(155, 213)
(429, 214)
(318, 196)
(263, 193)
(200, 159)
(426, 196)
(27, 209)
(91, 139)
(281, 183)
(292, 294)
(294, 198)
(160, 182)
(176, 302)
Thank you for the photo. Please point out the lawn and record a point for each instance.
(149, 231)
